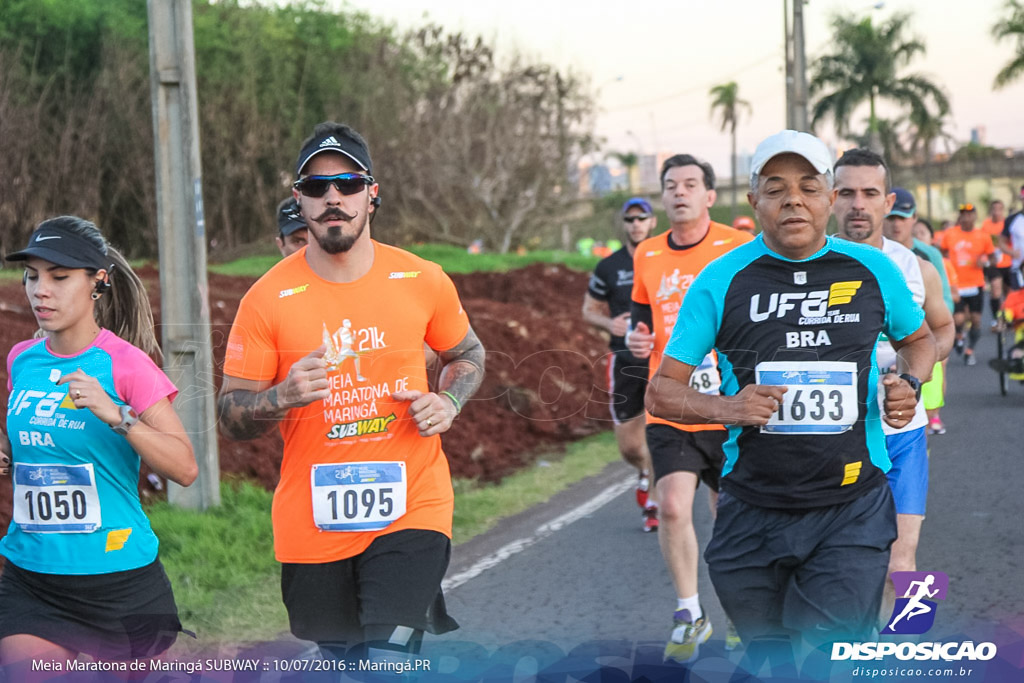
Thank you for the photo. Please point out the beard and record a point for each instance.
(858, 233)
(335, 240)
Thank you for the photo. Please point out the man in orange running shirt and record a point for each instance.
(970, 250)
(681, 455)
(328, 346)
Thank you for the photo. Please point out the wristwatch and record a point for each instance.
(129, 417)
(914, 383)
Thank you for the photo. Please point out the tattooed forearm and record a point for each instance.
(246, 414)
(463, 367)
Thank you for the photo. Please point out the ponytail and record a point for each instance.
(124, 307)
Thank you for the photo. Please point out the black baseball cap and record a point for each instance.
(339, 139)
(288, 217)
(62, 248)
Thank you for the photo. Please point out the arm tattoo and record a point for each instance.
(463, 369)
(246, 415)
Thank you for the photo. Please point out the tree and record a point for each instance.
(1011, 27)
(629, 161)
(925, 128)
(725, 98)
(864, 68)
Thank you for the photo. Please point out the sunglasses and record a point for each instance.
(345, 183)
(634, 219)
(967, 207)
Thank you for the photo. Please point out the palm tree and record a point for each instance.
(888, 136)
(864, 69)
(1012, 27)
(925, 129)
(726, 99)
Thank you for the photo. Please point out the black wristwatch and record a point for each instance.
(914, 383)
(128, 420)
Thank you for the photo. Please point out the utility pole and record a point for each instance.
(185, 313)
(799, 69)
(796, 67)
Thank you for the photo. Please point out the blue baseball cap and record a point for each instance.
(637, 201)
(904, 206)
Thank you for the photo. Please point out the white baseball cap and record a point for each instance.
(792, 142)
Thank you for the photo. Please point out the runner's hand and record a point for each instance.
(755, 404)
(432, 413)
(620, 325)
(306, 381)
(900, 401)
(86, 392)
(640, 341)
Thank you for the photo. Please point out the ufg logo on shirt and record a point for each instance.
(914, 613)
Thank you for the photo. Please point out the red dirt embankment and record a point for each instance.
(544, 383)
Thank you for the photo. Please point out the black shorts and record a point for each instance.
(117, 616)
(394, 582)
(674, 450)
(971, 304)
(816, 571)
(627, 382)
(1004, 274)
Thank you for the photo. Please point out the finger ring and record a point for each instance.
(78, 394)
(899, 413)
(430, 423)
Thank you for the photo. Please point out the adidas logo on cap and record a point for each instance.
(330, 142)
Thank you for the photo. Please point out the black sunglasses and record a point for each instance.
(634, 219)
(345, 183)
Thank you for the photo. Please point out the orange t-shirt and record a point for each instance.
(994, 230)
(964, 249)
(661, 277)
(1014, 305)
(374, 329)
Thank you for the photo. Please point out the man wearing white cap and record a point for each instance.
(805, 518)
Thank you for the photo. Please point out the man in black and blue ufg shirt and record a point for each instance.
(805, 518)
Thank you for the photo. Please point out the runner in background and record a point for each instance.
(863, 201)
(970, 250)
(746, 224)
(292, 233)
(901, 227)
(682, 455)
(363, 512)
(1012, 240)
(998, 274)
(87, 406)
(606, 306)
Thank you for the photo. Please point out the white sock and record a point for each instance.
(691, 603)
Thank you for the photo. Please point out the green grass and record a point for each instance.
(221, 562)
(452, 259)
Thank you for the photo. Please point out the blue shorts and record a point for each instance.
(908, 478)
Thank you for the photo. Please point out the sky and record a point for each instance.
(652, 62)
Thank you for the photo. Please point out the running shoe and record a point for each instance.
(650, 519)
(687, 635)
(969, 358)
(643, 488)
(732, 638)
(958, 346)
(935, 426)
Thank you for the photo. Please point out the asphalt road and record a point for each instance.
(567, 591)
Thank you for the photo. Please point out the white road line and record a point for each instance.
(508, 550)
